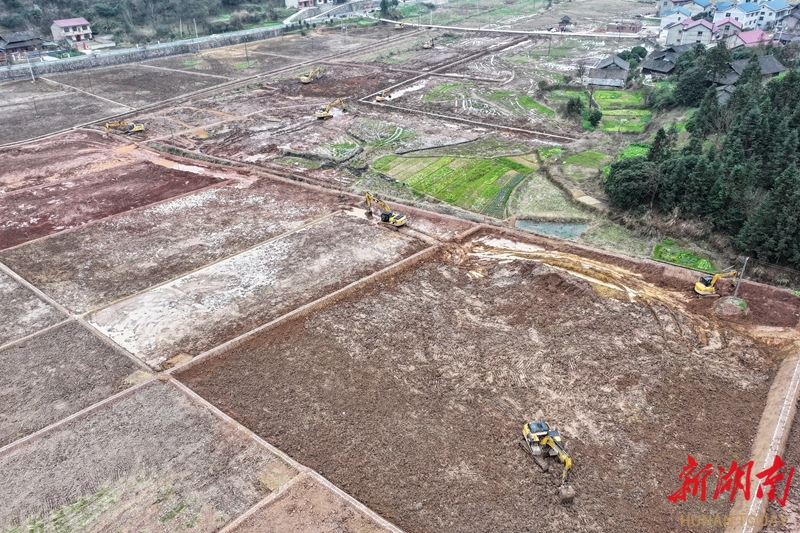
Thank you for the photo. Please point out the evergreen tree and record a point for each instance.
(726, 200)
(706, 118)
(691, 87)
(660, 148)
(631, 182)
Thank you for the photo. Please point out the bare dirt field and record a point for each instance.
(112, 259)
(22, 312)
(54, 375)
(134, 85)
(154, 457)
(33, 109)
(423, 427)
(791, 511)
(91, 193)
(208, 307)
(228, 63)
(309, 507)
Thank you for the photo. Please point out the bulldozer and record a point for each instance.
(539, 440)
(126, 127)
(325, 112)
(309, 76)
(707, 286)
(383, 96)
(428, 44)
(388, 217)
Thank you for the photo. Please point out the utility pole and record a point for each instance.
(33, 80)
(246, 57)
(195, 28)
(739, 279)
(35, 111)
(180, 21)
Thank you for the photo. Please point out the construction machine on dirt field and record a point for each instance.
(126, 127)
(428, 44)
(383, 96)
(325, 112)
(388, 217)
(542, 442)
(309, 76)
(707, 286)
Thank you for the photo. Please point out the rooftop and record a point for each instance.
(65, 23)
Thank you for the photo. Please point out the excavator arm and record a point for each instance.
(388, 217)
(542, 442)
(707, 284)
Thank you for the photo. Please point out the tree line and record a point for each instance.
(739, 169)
(143, 20)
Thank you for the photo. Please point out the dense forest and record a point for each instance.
(738, 171)
(143, 20)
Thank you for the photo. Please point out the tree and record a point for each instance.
(574, 106)
(639, 51)
(385, 8)
(716, 61)
(632, 182)
(691, 87)
(581, 69)
(660, 148)
(595, 117)
(705, 120)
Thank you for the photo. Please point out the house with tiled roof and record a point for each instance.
(772, 12)
(726, 28)
(748, 38)
(747, 13)
(17, 42)
(674, 15)
(660, 64)
(790, 21)
(769, 65)
(609, 72)
(74, 30)
(689, 32)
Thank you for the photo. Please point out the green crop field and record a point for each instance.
(617, 99)
(667, 251)
(446, 91)
(476, 184)
(586, 159)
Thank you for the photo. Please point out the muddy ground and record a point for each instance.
(791, 511)
(308, 507)
(54, 375)
(33, 109)
(115, 258)
(90, 194)
(135, 85)
(423, 427)
(208, 307)
(227, 63)
(22, 312)
(154, 457)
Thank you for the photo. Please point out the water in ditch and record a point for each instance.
(565, 230)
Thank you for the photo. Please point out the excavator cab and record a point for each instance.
(706, 280)
(542, 442)
(707, 286)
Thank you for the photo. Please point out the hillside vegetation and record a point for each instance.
(143, 21)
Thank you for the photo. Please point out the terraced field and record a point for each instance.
(476, 184)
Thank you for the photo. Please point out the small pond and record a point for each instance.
(565, 230)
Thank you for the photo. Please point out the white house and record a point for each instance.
(747, 13)
(674, 15)
(692, 6)
(772, 12)
(74, 30)
(726, 28)
(690, 32)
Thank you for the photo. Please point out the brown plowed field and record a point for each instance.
(116, 258)
(34, 213)
(22, 312)
(422, 383)
(153, 461)
(54, 375)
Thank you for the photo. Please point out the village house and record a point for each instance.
(748, 38)
(674, 15)
(772, 12)
(770, 67)
(790, 21)
(15, 43)
(609, 72)
(746, 13)
(74, 30)
(695, 7)
(689, 32)
(624, 27)
(660, 64)
(726, 28)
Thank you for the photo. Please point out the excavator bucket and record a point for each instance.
(566, 493)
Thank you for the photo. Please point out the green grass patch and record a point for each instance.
(634, 150)
(617, 99)
(586, 159)
(244, 64)
(667, 251)
(446, 91)
(529, 103)
(477, 184)
(547, 153)
(191, 63)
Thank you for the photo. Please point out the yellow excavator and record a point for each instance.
(707, 286)
(428, 44)
(132, 127)
(383, 96)
(388, 217)
(309, 76)
(542, 442)
(325, 112)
